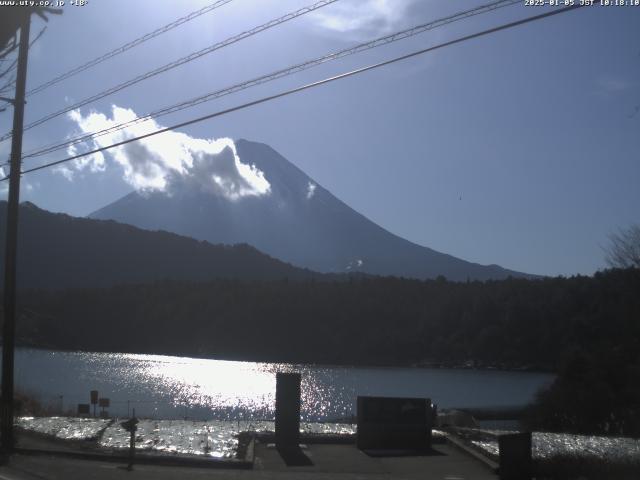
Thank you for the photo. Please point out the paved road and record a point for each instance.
(342, 462)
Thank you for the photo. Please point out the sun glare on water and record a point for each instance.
(212, 383)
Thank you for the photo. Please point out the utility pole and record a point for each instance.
(11, 245)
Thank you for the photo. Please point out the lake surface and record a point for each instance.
(160, 386)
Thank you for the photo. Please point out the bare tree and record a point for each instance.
(623, 250)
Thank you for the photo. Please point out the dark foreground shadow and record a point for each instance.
(403, 453)
(293, 456)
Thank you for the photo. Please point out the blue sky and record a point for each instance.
(520, 148)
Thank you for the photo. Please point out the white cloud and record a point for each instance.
(65, 171)
(363, 16)
(167, 161)
(311, 190)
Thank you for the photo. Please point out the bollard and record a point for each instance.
(93, 394)
(131, 426)
(287, 409)
(515, 456)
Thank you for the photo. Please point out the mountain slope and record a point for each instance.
(298, 222)
(60, 251)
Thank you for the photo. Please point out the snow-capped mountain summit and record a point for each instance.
(295, 219)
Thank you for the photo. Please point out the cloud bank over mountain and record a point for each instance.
(167, 161)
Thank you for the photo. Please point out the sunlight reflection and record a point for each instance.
(194, 381)
(169, 387)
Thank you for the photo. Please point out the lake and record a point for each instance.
(159, 386)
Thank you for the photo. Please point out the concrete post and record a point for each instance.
(287, 409)
(515, 456)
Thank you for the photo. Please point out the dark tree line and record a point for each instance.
(585, 328)
(515, 322)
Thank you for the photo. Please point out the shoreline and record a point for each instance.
(472, 365)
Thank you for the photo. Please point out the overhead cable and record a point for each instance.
(309, 86)
(177, 63)
(410, 32)
(127, 46)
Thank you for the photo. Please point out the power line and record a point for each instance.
(11, 45)
(9, 68)
(128, 46)
(14, 63)
(179, 62)
(10, 83)
(277, 75)
(309, 86)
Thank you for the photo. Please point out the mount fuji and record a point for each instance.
(297, 221)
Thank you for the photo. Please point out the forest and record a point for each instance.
(585, 328)
(514, 323)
